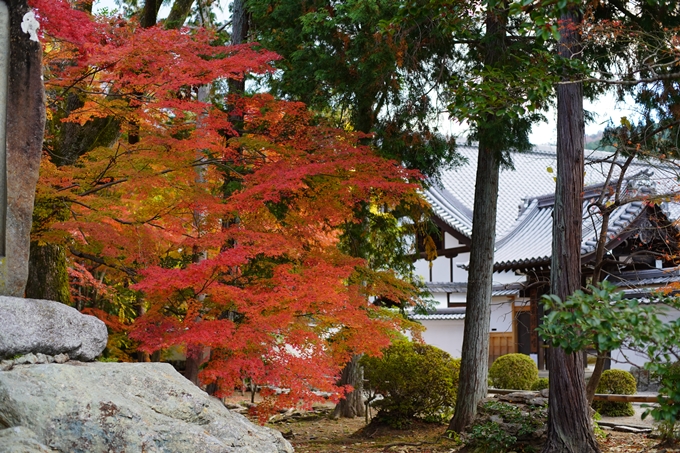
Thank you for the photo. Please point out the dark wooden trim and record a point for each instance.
(447, 253)
(445, 227)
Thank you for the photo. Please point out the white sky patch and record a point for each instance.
(30, 25)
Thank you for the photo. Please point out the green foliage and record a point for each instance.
(369, 66)
(667, 412)
(616, 382)
(600, 317)
(513, 371)
(490, 437)
(604, 319)
(540, 384)
(518, 425)
(415, 381)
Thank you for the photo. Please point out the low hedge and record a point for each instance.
(513, 371)
(616, 382)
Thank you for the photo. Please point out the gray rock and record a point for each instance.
(28, 359)
(21, 440)
(538, 401)
(132, 407)
(52, 328)
(60, 358)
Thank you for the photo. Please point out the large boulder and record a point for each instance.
(51, 328)
(21, 440)
(125, 407)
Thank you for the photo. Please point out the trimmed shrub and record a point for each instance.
(615, 382)
(414, 381)
(540, 384)
(513, 371)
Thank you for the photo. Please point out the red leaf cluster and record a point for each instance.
(255, 272)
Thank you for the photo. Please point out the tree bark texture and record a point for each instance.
(240, 26)
(48, 274)
(595, 377)
(178, 13)
(569, 426)
(474, 365)
(353, 403)
(24, 138)
(475, 352)
(150, 13)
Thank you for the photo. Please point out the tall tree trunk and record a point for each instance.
(474, 365)
(353, 404)
(150, 13)
(47, 273)
(240, 26)
(569, 427)
(178, 13)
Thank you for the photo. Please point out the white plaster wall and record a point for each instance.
(624, 359)
(507, 277)
(458, 297)
(460, 275)
(441, 269)
(446, 334)
(450, 242)
(440, 298)
(501, 314)
(422, 269)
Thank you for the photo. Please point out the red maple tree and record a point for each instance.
(230, 231)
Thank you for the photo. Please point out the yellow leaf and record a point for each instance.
(549, 169)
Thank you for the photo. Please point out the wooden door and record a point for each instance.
(500, 343)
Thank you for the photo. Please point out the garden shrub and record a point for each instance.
(619, 382)
(414, 380)
(540, 384)
(513, 371)
(667, 411)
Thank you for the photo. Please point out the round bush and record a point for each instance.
(615, 382)
(540, 384)
(414, 381)
(513, 371)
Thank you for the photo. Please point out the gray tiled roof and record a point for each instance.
(454, 200)
(524, 224)
(450, 210)
(510, 289)
(442, 313)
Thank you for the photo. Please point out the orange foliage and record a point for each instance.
(273, 296)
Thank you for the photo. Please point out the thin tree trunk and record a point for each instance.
(353, 404)
(595, 377)
(569, 426)
(475, 352)
(474, 365)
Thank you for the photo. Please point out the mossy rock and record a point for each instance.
(513, 371)
(616, 382)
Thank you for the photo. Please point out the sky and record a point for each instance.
(604, 109)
